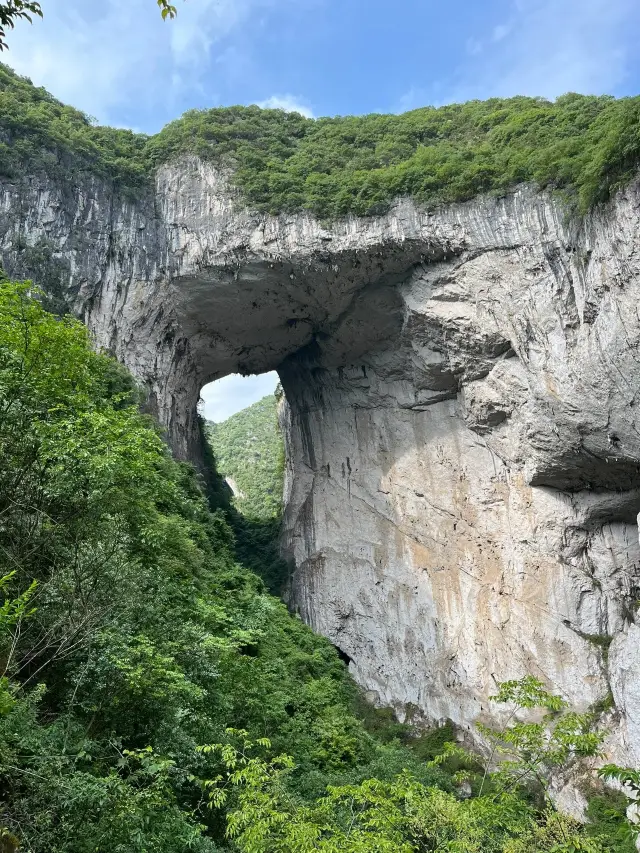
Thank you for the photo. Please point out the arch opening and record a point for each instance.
(225, 397)
(241, 430)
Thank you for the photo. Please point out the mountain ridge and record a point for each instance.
(280, 162)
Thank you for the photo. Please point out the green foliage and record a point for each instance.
(129, 634)
(531, 750)
(248, 449)
(13, 611)
(431, 744)
(623, 775)
(585, 146)
(604, 705)
(425, 744)
(49, 272)
(404, 814)
(257, 547)
(606, 815)
(216, 490)
(382, 723)
(630, 780)
(16, 10)
(39, 134)
(167, 9)
(397, 816)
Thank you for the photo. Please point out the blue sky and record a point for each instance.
(233, 393)
(116, 60)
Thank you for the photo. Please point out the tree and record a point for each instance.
(629, 780)
(530, 751)
(167, 9)
(15, 10)
(402, 815)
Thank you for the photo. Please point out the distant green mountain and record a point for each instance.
(249, 454)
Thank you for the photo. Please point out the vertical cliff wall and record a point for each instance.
(462, 502)
(463, 448)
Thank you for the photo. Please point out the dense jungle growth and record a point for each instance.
(585, 146)
(155, 698)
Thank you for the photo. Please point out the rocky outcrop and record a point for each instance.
(463, 475)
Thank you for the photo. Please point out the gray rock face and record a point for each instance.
(463, 476)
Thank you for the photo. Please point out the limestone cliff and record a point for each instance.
(463, 442)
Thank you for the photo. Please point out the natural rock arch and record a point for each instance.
(463, 470)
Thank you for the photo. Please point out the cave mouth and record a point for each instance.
(344, 657)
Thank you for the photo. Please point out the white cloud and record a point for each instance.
(547, 48)
(473, 46)
(105, 58)
(416, 97)
(96, 57)
(200, 24)
(227, 396)
(289, 103)
(501, 31)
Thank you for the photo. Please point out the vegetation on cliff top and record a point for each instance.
(583, 145)
(131, 639)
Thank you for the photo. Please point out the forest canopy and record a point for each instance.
(584, 146)
(249, 453)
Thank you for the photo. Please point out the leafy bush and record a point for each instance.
(397, 816)
(129, 633)
(606, 815)
(248, 448)
(40, 134)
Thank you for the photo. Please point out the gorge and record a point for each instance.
(463, 454)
